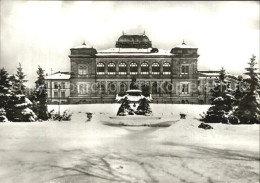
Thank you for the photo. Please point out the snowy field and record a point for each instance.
(77, 151)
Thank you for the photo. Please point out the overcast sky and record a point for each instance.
(42, 32)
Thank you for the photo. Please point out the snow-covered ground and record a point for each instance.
(78, 151)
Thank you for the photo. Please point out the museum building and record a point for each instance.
(169, 76)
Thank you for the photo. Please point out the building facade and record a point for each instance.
(58, 87)
(169, 76)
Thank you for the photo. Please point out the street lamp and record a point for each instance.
(205, 90)
(59, 95)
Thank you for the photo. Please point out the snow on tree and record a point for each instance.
(125, 108)
(144, 107)
(14, 104)
(222, 101)
(249, 107)
(239, 92)
(5, 89)
(19, 80)
(3, 117)
(19, 110)
(40, 96)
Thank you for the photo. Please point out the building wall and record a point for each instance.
(91, 87)
(56, 95)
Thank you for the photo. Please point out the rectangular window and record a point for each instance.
(63, 85)
(122, 70)
(166, 70)
(145, 70)
(184, 88)
(63, 94)
(111, 70)
(185, 69)
(133, 70)
(100, 70)
(56, 95)
(55, 85)
(155, 70)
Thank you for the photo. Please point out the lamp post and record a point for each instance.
(59, 87)
(205, 91)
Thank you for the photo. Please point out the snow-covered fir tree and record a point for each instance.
(239, 91)
(19, 80)
(14, 103)
(125, 108)
(5, 89)
(144, 107)
(40, 96)
(5, 93)
(222, 101)
(19, 110)
(249, 107)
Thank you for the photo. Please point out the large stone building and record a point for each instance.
(169, 76)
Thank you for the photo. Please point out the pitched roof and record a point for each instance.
(58, 75)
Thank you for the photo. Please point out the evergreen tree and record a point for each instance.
(144, 107)
(125, 108)
(249, 107)
(239, 92)
(5, 89)
(5, 92)
(222, 101)
(19, 80)
(3, 115)
(19, 110)
(40, 96)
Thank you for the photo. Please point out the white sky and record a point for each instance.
(42, 32)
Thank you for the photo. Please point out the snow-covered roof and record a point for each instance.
(185, 46)
(58, 75)
(82, 46)
(131, 51)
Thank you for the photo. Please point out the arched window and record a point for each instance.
(144, 68)
(133, 68)
(166, 68)
(82, 70)
(111, 69)
(122, 68)
(100, 68)
(155, 68)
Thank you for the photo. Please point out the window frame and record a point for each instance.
(120, 67)
(153, 66)
(131, 67)
(185, 88)
(185, 69)
(110, 67)
(99, 66)
(168, 67)
(146, 67)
